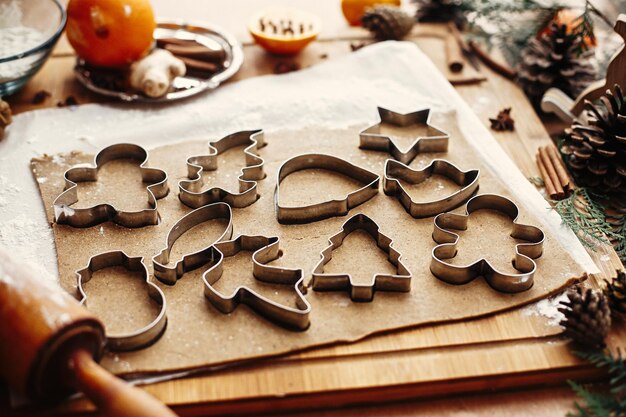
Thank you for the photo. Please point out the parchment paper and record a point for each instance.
(198, 335)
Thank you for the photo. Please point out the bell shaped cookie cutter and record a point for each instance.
(434, 140)
(146, 335)
(91, 216)
(396, 171)
(190, 191)
(326, 209)
(169, 274)
(462, 274)
(400, 282)
(266, 249)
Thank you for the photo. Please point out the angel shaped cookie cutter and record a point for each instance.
(396, 171)
(147, 334)
(399, 282)
(462, 274)
(91, 216)
(266, 249)
(190, 190)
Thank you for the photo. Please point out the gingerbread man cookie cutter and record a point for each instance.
(396, 171)
(147, 334)
(169, 274)
(398, 282)
(435, 140)
(91, 216)
(266, 249)
(326, 209)
(462, 274)
(190, 190)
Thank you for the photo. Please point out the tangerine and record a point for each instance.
(110, 33)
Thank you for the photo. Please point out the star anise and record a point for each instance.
(503, 121)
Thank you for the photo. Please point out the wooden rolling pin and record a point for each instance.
(49, 344)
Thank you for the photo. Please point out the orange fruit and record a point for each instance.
(283, 30)
(110, 33)
(571, 18)
(353, 10)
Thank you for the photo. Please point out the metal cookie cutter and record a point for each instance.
(147, 334)
(434, 140)
(462, 274)
(266, 249)
(401, 281)
(169, 274)
(87, 217)
(190, 191)
(396, 171)
(320, 211)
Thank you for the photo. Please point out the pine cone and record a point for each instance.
(5, 116)
(587, 317)
(387, 22)
(615, 291)
(440, 11)
(556, 59)
(596, 149)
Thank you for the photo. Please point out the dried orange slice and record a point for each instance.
(284, 31)
(110, 33)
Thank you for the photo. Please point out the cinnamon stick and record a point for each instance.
(551, 172)
(196, 51)
(561, 172)
(550, 190)
(197, 65)
(454, 54)
(501, 69)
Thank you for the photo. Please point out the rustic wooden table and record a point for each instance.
(485, 98)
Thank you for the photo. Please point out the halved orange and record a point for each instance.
(284, 31)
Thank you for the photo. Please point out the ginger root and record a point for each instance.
(5, 116)
(153, 75)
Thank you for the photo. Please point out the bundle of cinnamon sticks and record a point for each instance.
(553, 172)
(196, 56)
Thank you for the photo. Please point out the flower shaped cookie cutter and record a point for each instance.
(91, 216)
(462, 274)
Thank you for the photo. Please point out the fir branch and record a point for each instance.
(584, 214)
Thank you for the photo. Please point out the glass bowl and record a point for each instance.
(29, 29)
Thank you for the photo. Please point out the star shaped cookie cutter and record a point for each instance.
(266, 249)
(434, 141)
(396, 171)
(146, 335)
(462, 274)
(400, 282)
(91, 216)
(326, 209)
(169, 274)
(190, 190)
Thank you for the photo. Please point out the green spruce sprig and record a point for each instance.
(611, 403)
(583, 212)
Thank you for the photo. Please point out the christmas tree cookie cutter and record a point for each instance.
(169, 274)
(326, 209)
(149, 333)
(190, 190)
(462, 274)
(91, 216)
(266, 249)
(396, 171)
(435, 140)
(398, 282)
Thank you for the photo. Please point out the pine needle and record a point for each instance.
(584, 214)
(538, 181)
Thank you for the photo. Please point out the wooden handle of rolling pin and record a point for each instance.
(111, 395)
(454, 54)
